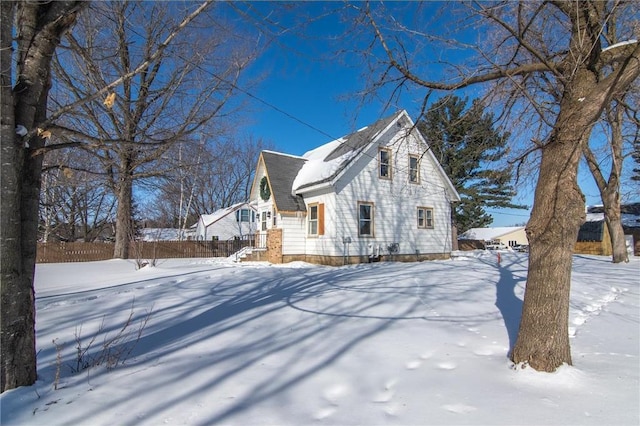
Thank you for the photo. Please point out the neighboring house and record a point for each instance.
(510, 236)
(162, 234)
(593, 237)
(376, 193)
(237, 221)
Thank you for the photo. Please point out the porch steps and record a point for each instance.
(248, 254)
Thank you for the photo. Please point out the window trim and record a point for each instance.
(239, 215)
(371, 220)
(426, 217)
(417, 169)
(389, 163)
(263, 221)
(319, 219)
(310, 220)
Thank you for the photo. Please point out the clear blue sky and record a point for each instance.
(306, 97)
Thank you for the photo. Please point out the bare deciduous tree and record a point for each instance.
(75, 201)
(175, 93)
(621, 128)
(551, 59)
(610, 186)
(25, 83)
(210, 177)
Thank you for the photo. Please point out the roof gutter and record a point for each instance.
(311, 188)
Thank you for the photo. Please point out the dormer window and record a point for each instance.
(384, 161)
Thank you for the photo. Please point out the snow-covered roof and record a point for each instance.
(327, 161)
(630, 214)
(488, 234)
(291, 176)
(162, 234)
(208, 219)
(628, 220)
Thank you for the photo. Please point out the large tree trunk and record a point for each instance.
(124, 217)
(558, 211)
(613, 219)
(17, 339)
(40, 26)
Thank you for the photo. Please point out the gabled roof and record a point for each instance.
(282, 169)
(290, 176)
(488, 234)
(630, 214)
(209, 219)
(328, 161)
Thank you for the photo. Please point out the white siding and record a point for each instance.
(396, 202)
(293, 233)
(225, 228)
(329, 244)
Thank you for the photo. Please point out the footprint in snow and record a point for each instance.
(492, 349)
(324, 413)
(412, 365)
(334, 393)
(594, 308)
(483, 352)
(426, 355)
(447, 365)
(459, 408)
(387, 393)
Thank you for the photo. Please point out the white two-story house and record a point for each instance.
(378, 193)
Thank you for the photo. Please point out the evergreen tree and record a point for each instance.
(468, 147)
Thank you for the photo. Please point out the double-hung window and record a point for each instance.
(384, 162)
(365, 219)
(414, 169)
(263, 221)
(315, 220)
(425, 217)
(244, 215)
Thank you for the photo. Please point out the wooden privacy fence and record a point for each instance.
(88, 252)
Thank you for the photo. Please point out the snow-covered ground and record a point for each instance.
(375, 344)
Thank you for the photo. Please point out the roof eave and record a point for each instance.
(314, 187)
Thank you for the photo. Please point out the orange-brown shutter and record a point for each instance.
(320, 219)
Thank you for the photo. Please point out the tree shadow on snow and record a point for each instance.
(242, 322)
(246, 321)
(507, 302)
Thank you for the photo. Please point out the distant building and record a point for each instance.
(237, 221)
(593, 237)
(510, 236)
